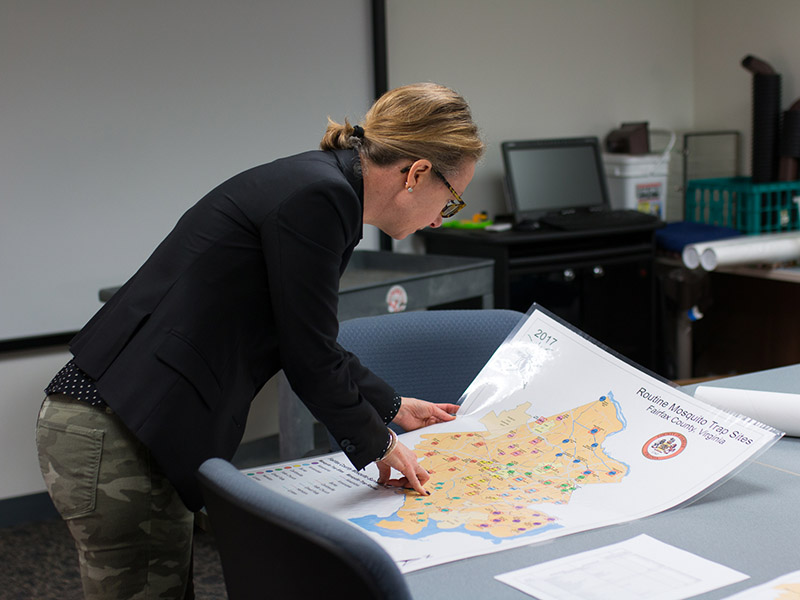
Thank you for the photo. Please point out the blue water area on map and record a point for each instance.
(624, 423)
(370, 523)
(618, 408)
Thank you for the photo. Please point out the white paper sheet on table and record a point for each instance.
(641, 567)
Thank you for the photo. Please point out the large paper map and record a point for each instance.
(554, 436)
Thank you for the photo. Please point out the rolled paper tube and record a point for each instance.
(776, 409)
(691, 253)
(767, 248)
(690, 256)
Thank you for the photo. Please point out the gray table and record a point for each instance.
(750, 523)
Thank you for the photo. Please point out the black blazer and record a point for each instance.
(246, 284)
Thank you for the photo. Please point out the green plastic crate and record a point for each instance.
(736, 202)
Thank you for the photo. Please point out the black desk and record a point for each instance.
(600, 281)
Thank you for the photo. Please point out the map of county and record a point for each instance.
(484, 482)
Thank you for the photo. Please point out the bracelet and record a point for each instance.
(392, 444)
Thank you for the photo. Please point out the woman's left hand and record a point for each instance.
(415, 413)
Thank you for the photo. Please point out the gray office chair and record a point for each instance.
(273, 547)
(433, 355)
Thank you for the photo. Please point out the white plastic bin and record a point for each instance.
(639, 182)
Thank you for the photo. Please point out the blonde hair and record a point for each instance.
(422, 120)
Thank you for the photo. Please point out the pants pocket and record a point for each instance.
(69, 458)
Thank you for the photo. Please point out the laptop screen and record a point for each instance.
(555, 175)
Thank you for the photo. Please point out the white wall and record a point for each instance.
(118, 116)
(724, 33)
(115, 117)
(547, 68)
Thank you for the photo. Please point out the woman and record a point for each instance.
(245, 285)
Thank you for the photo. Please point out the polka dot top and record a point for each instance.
(394, 410)
(73, 382)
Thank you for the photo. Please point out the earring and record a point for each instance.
(410, 189)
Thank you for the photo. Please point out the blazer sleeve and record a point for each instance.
(304, 242)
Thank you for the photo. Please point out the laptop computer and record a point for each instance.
(561, 183)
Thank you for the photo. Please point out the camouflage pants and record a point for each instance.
(132, 531)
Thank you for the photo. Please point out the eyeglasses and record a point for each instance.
(453, 206)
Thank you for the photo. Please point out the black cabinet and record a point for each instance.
(601, 282)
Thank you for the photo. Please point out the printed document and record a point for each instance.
(641, 567)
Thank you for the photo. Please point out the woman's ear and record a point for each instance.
(416, 172)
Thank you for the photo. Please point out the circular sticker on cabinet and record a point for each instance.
(396, 299)
(664, 445)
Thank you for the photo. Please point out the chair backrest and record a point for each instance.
(273, 547)
(433, 355)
